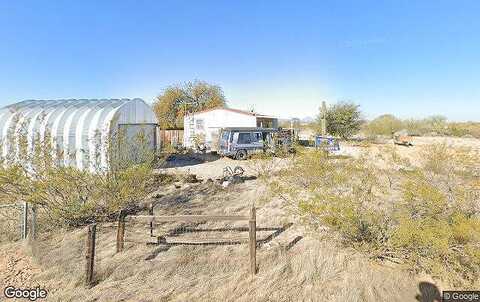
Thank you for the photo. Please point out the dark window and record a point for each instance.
(244, 138)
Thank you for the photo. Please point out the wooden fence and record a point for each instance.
(173, 138)
(153, 220)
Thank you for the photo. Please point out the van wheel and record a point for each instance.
(241, 155)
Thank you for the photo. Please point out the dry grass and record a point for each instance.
(310, 270)
(315, 268)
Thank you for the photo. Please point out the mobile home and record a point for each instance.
(202, 129)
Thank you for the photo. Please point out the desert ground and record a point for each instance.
(295, 263)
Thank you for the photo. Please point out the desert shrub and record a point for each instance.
(438, 222)
(432, 222)
(262, 165)
(384, 125)
(338, 193)
(464, 129)
(69, 196)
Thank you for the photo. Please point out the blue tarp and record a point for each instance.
(327, 143)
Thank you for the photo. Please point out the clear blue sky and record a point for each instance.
(411, 58)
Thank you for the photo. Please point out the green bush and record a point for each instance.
(344, 119)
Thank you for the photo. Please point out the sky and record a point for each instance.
(409, 58)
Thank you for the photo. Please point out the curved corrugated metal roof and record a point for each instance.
(77, 127)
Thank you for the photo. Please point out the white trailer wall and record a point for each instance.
(209, 123)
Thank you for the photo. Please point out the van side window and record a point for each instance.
(244, 138)
(257, 137)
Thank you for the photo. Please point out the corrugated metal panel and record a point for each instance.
(80, 129)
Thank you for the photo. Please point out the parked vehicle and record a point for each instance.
(240, 143)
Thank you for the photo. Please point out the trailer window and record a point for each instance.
(200, 125)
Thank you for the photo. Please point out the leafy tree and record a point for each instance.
(176, 100)
(343, 119)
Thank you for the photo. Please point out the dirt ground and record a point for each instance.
(211, 166)
(295, 264)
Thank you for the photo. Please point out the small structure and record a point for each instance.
(202, 129)
(81, 131)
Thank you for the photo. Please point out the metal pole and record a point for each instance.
(25, 221)
(324, 119)
(33, 232)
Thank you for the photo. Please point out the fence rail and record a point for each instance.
(190, 218)
(153, 220)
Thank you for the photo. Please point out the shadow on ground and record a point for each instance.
(428, 292)
(185, 160)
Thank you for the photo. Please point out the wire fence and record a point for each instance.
(153, 230)
(18, 221)
(11, 222)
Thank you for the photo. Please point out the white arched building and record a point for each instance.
(79, 129)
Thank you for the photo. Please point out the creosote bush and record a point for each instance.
(430, 219)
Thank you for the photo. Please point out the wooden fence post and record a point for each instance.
(252, 229)
(25, 221)
(90, 254)
(121, 231)
(150, 212)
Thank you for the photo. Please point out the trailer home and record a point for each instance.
(202, 129)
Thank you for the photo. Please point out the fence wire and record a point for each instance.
(11, 222)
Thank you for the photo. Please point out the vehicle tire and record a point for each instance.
(241, 155)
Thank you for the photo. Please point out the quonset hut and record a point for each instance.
(79, 129)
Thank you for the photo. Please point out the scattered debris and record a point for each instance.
(232, 176)
(192, 178)
(402, 138)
